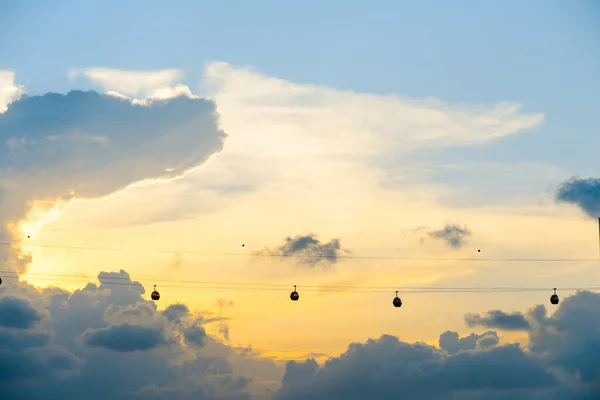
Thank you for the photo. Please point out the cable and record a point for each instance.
(255, 254)
(333, 288)
(157, 279)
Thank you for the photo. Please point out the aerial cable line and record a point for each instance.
(301, 256)
(158, 279)
(333, 288)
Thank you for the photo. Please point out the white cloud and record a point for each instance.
(116, 94)
(9, 90)
(361, 123)
(166, 93)
(320, 142)
(130, 83)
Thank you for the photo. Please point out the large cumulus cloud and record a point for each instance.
(562, 360)
(84, 144)
(108, 341)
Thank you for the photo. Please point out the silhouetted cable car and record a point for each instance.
(155, 295)
(554, 298)
(0, 281)
(294, 295)
(397, 302)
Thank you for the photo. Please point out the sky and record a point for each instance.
(391, 146)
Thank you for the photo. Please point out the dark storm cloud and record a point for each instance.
(500, 320)
(454, 235)
(83, 144)
(18, 313)
(125, 338)
(584, 193)
(308, 250)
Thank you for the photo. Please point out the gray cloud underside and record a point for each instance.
(18, 313)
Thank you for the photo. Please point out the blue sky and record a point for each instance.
(542, 54)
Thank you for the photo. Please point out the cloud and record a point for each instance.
(308, 250)
(14, 339)
(500, 320)
(18, 313)
(570, 338)
(452, 343)
(86, 145)
(224, 331)
(584, 193)
(41, 363)
(9, 90)
(130, 83)
(562, 360)
(306, 139)
(195, 335)
(115, 332)
(368, 122)
(175, 312)
(125, 338)
(454, 235)
(387, 366)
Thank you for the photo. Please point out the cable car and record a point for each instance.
(294, 295)
(155, 295)
(554, 298)
(397, 302)
(0, 280)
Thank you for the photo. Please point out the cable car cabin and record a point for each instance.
(0, 281)
(294, 295)
(397, 302)
(554, 298)
(155, 295)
